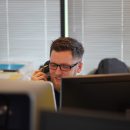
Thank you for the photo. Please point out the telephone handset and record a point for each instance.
(45, 69)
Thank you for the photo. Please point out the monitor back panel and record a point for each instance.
(104, 92)
(86, 121)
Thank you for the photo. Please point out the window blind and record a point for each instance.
(27, 28)
(103, 26)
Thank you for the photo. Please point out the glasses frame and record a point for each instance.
(61, 66)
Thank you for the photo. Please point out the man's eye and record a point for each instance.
(53, 65)
(65, 66)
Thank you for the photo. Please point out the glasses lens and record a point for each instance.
(65, 67)
(53, 66)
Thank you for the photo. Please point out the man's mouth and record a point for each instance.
(58, 78)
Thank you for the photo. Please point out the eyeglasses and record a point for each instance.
(63, 67)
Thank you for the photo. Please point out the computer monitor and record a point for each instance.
(79, 120)
(21, 102)
(110, 92)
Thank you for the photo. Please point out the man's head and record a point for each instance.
(65, 59)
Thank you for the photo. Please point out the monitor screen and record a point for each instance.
(15, 112)
(21, 102)
(110, 92)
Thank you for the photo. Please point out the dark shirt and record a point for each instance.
(57, 96)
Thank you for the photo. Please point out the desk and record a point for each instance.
(16, 71)
(10, 75)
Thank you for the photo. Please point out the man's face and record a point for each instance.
(63, 58)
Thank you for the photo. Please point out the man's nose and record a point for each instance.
(58, 70)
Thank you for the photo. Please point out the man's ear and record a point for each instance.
(79, 67)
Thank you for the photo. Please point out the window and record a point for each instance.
(103, 26)
(27, 28)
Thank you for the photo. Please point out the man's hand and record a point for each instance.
(38, 75)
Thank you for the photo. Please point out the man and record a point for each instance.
(65, 60)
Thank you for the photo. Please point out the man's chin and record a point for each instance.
(57, 84)
(57, 87)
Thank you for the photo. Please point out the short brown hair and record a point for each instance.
(68, 44)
